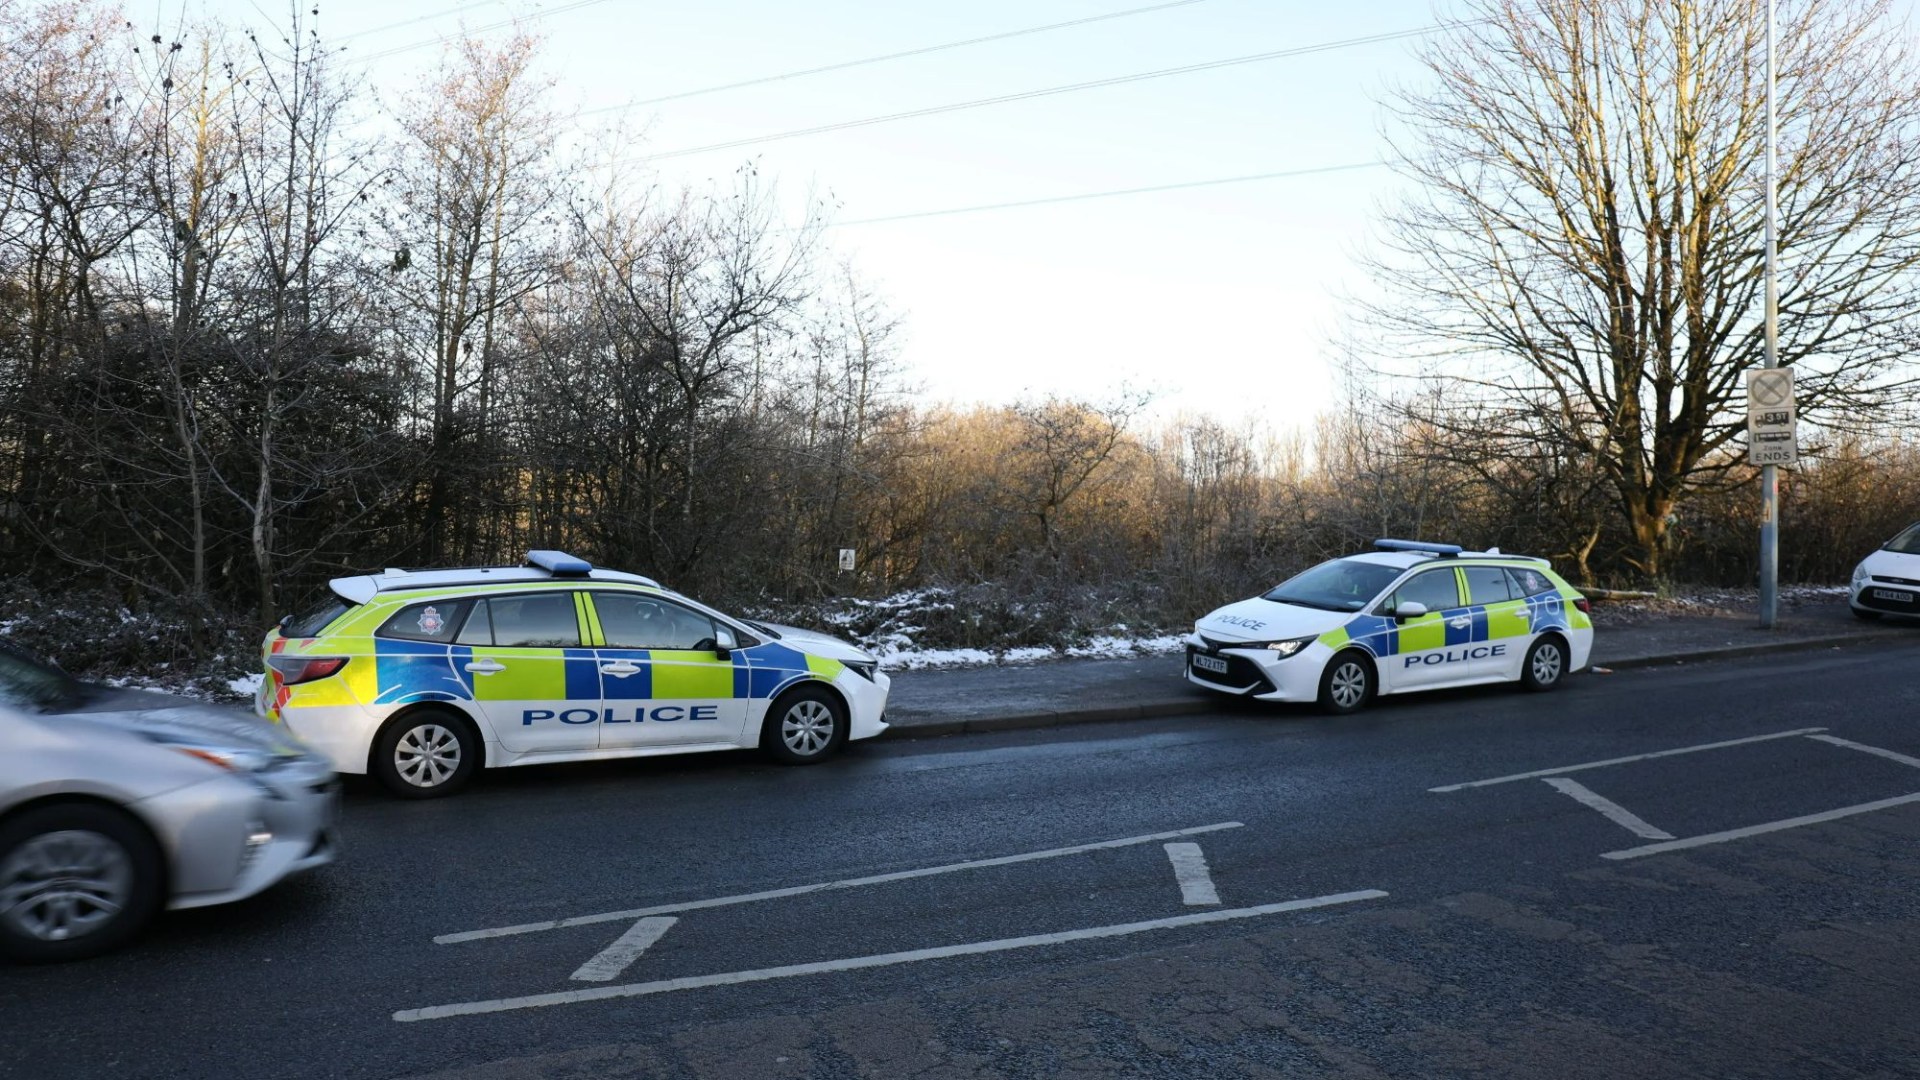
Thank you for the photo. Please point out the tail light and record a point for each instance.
(300, 669)
(1585, 605)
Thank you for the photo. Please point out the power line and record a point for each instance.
(417, 19)
(898, 55)
(1111, 194)
(1027, 95)
(560, 10)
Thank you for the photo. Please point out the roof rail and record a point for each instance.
(1445, 551)
(559, 564)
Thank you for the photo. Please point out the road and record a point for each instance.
(1531, 927)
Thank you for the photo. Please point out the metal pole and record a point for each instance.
(1770, 474)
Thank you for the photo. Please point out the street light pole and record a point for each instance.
(1770, 474)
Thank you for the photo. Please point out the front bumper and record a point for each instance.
(867, 703)
(231, 837)
(1889, 597)
(1258, 673)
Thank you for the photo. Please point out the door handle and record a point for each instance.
(621, 668)
(1460, 622)
(486, 667)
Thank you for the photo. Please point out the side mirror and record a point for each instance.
(724, 642)
(1412, 609)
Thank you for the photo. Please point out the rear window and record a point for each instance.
(434, 620)
(534, 621)
(311, 621)
(1531, 582)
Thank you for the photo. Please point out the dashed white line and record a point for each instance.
(618, 956)
(1756, 830)
(1890, 755)
(733, 978)
(1564, 769)
(800, 890)
(1614, 812)
(1190, 870)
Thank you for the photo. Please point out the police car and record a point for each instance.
(1887, 582)
(423, 677)
(1409, 615)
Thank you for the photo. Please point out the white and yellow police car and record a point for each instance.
(423, 677)
(1407, 616)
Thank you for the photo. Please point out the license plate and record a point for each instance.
(1896, 595)
(1210, 663)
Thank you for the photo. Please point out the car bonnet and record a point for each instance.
(823, 645)
(1260, 619)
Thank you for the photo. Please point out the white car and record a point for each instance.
(1409, 615)
(423, 677)
(1887, 582)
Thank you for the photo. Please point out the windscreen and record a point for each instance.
(27, 685)
(1907, 543)
(1339, 585)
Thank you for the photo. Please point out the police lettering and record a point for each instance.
(628, 714)
(1478, 652)
(1235, 620)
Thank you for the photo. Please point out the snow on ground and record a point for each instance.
(895, 658)
(246, 685)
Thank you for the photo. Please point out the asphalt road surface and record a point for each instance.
(1259, 892)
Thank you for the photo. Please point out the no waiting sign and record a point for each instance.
(1771, 438)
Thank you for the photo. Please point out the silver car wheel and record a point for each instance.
(1348, 685)
(808, 727)
(1546, 665)
(426, 756)
(63, 885)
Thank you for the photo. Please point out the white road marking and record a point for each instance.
(1890, 755)
(1756, 830)
(801, 890)
(616, 957)
(1190, 870)
(1614, 812)
(1564, 769)
(733, 978)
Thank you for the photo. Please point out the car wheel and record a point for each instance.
(1863, 613)
(426, 754)
(807, 724)
(1546, 664)
(76, 879)
(1347, 684)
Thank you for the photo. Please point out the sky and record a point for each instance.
(1220, 300)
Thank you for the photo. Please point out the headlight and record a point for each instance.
(244, 762)
(863, 668)
(1859, 575)
(1286, 648)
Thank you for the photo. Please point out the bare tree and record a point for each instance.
(1584, 247)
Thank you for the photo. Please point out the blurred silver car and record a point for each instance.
(116, 802)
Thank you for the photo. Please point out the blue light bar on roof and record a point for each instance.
(1443, 550)
(559, 563)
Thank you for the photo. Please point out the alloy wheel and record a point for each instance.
(64, 885)
(427, 756)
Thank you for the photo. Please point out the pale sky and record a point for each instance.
(1220, 299)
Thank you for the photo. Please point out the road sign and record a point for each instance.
(1771, 418)
(846, 558)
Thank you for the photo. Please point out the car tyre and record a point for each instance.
(426, 754)
(70, 867)
(1866, 615)
(805, 726)
(1546, 664)
(1348, 683)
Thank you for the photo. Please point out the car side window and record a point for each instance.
(1437, 589)
(1530, 582)
(640, 621)
(1488, 585)
(534, 621)
(434, 620)
(479, 628)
